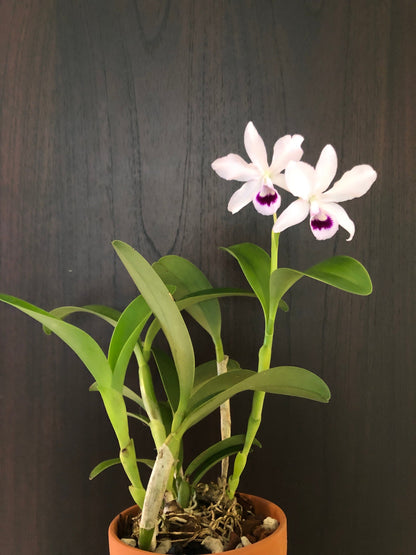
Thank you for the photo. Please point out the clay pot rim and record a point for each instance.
(250, 549)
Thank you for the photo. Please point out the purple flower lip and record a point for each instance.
(322, 224)
(266, 200)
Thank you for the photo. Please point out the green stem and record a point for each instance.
(264, 359)
(150, 402)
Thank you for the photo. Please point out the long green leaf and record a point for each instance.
(255, 263)
(283, 380)
(139, 417)
(218, 293)
(125, 337)
(117, 413)
(165, 310)
(106, 313)
(169, 376)
(132, 395)
(209, 370)
(342, 272)
(113, 462)
(213, 455)
(78, 340)
(188, 279)
(193, 299)
(134, 315)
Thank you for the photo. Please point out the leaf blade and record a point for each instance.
(213, 455)
(78, 340)
(165, 310)
(255, 264)
(188, 278)
(283, 380)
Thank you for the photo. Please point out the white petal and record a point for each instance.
(267, 201)
(255, 147)
(300, 179)
(285, 149)
(338, 213)
(233, 166)
(326, 168)
(353, 184)
(322, 225)
(294, 214)
(279, 180)
(243, 196)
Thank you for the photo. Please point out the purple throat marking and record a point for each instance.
(322, 224)
(266, 200)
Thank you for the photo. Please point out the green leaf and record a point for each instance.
(255, 263)
(195, 298)
(142, 419)
(188, 279)
(165, 310)
(284, 380)
(117, 413)
(342, 272)
(112, 462)
(125, 337)
(106, 313)
(169, 376)
(78, 340)
(213, 455)
(129, 394)
(208, 370)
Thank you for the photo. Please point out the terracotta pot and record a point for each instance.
(275, 544)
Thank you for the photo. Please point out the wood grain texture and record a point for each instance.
(110, 115)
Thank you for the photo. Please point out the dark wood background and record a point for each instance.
(110, 115)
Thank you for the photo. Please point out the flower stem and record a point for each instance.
(264, 358)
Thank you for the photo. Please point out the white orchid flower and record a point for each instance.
(258, 176)
(311, 184)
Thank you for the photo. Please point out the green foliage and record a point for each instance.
(342, 272)
(255, 263)
(169, 376)
(285, 380)
(113, 462)
(172, 285)
(125, 337)
(188, 279)
(80, 342)
(165, 310)
(213, 455)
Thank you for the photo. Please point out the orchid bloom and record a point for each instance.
(258, 176)
(311, 184)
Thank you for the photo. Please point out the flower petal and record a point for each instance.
(279, 180)
(326, 168)
(255, 147)
(243, 196)
(267, 201)
(233, 166)
(300, 179)
(285, 149)
(323, 226)
(336, 212)
(353, 184)
(294, 214)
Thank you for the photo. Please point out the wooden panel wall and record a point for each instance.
(111, 112)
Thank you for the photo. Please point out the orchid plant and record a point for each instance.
(173, 285)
